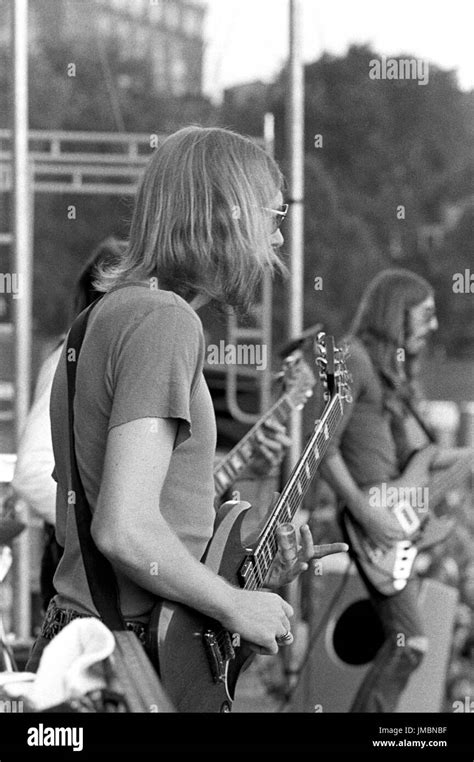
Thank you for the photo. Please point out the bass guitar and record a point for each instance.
(414, 506)
(198, 660)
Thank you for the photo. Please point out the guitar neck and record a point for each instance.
(255, 569)
(232, 465)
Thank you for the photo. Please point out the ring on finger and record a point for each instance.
(285, 638)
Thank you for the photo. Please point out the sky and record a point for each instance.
(248, 39)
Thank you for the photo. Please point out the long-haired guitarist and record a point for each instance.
(379, 433)
(206, 225)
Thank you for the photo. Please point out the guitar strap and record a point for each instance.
(136, 673)
(99, 572)
(406, 404)
(423, 425)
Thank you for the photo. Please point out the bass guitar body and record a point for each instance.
(199, 662)
(390, 569)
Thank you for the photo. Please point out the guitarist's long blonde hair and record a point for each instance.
(201, 218)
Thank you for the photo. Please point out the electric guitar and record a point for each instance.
(414, 507)
(299, 380)
(199, 662)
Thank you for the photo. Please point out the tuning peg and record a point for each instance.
(320, 342)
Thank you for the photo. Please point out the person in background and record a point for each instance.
(32, 479)
(380, 431)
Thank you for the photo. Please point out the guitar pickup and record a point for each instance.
(407, 516)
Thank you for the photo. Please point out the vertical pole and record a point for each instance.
(294, 114)
(295, 228)
(22, 271)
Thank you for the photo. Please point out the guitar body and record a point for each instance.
(198, 664)
(389, 570)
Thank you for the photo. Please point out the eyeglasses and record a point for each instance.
(278, 215)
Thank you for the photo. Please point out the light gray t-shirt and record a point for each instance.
(142, 357)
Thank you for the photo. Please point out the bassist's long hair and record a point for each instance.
(381, 323)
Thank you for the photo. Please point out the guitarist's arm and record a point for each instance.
(378, 523)
(130, 530)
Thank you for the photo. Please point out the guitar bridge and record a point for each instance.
(219, 651)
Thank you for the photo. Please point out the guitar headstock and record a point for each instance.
(298, 379)
(333, 372)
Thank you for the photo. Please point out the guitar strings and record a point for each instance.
(268, 543)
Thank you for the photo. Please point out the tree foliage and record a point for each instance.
(387, 163)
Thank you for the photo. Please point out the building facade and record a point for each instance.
(166, 34)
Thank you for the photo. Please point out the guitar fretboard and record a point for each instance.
(232, 465)
(256, 571)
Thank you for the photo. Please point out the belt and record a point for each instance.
(56, 619)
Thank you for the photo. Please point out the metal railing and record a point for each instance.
(105, 163)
